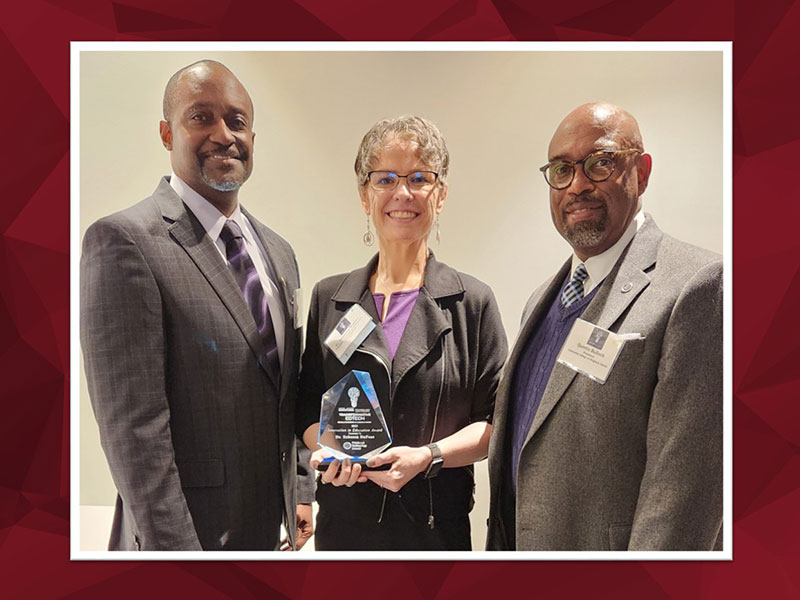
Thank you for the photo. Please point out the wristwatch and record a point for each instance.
(436, 464)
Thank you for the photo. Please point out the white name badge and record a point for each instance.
(352, 329)
(592, 351)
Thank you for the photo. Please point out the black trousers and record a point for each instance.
(397, 530)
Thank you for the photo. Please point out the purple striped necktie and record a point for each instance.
(243, 269)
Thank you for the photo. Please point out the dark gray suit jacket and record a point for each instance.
(635, 463)
(198, 437)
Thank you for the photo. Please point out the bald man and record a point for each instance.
(608, 421)
(191, 342)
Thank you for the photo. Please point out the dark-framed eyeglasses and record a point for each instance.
(597, 167)
(384, 181)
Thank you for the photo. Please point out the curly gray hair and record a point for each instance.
(421, 132)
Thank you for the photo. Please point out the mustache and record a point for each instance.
(232, 151)
(586, 197)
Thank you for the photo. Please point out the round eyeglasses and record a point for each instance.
(597, 167)
(384, 181)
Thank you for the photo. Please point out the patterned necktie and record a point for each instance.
(574, 289)
(243, 269)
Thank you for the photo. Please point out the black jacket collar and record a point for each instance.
(440, 281)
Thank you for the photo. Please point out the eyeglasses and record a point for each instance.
(597, 167)
(384, 181)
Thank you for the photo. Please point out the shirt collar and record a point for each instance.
(599, 266)
(210, 218)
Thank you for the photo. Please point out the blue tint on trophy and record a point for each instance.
(365, 381)
(335, 391)
(338, 393)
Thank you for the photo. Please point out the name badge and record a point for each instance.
(297, 305)
(352, 329)
(592, 351)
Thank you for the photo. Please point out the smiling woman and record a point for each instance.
(402, 211)
(435, 357)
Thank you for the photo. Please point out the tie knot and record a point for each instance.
(230, 231)
(580, 273)
(573, 291)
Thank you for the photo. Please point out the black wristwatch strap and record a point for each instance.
(436, 463)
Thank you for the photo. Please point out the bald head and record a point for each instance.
(208, 130)
(614, 127)
(594, 210)
(197, 71)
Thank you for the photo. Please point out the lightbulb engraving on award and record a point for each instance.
(354, 393)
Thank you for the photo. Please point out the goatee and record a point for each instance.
(586, 234)
(229, 181)
(222, 186)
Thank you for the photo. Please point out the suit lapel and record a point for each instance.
(426, 324)
(619, 289)
(536, 306)
(539, 302)
(627, 279)
(187, 231)
(427, 321)
(282, 265)
(559, 379)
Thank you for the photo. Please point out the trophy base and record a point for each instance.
(323, 466)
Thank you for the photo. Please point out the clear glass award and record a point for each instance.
(351, 423)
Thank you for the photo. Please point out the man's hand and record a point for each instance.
(304, 531)
(305, 526)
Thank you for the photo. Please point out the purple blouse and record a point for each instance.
(400, 307)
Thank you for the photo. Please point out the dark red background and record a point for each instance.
(34, 320)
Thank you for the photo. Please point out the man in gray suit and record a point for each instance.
(634, 463)
(191, 341)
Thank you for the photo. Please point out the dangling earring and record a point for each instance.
(438, 233)
(368, 238)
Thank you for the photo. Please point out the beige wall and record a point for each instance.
(497, 111)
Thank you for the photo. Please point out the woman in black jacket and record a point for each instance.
(434, 357)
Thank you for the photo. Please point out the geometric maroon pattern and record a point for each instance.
(34, 294)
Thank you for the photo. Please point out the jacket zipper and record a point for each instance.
(389, 377)
(431, 520)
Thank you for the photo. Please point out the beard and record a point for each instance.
(586, 234)
(230, 181)
(226, 185)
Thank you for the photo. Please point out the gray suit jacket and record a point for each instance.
(198, 437)
(635, 463)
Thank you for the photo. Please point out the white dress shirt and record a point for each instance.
(212, 221)
(598, 267)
